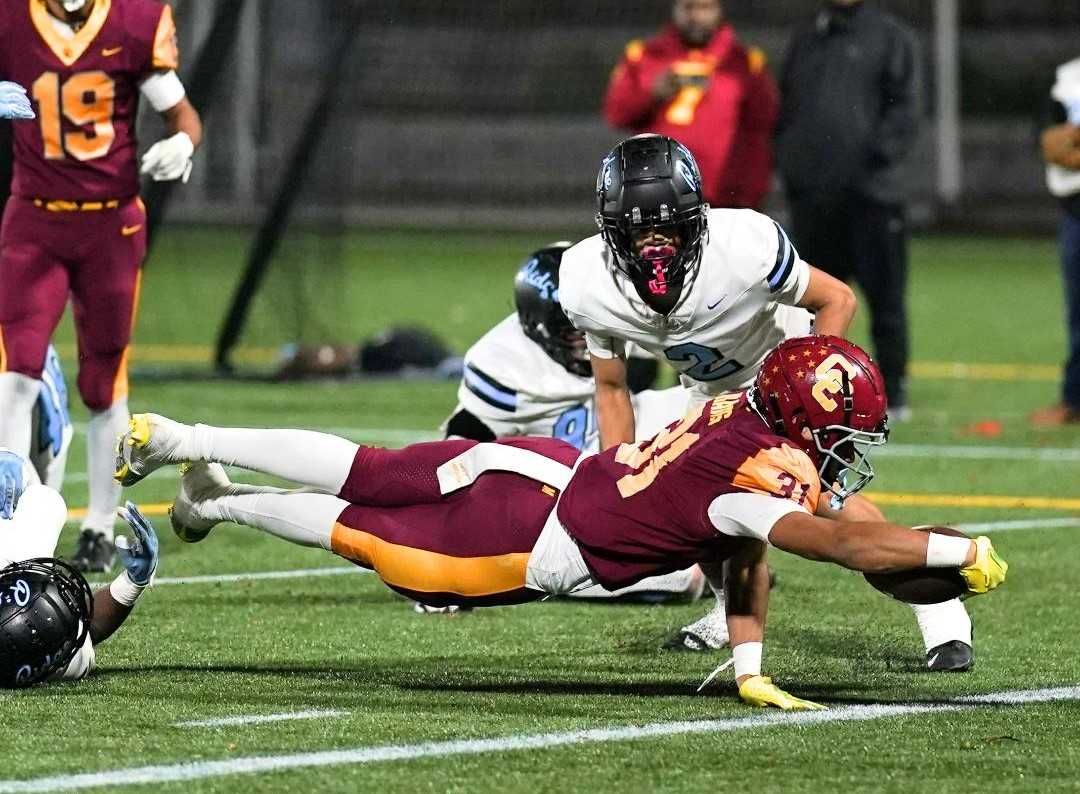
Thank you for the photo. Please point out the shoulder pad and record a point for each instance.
(782, 471)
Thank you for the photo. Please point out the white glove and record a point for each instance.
(169, 159)
(14, 103)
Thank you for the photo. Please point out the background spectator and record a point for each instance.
(848, 119)
(1061, 150)
(695, 82)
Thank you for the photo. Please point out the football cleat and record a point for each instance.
(198, 482)
(710, 633)
(452, 609)
(953, 656)
(151, 441)
(94, 553)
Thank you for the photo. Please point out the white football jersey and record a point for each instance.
(740, 306)
(516, 389)
(33, 532)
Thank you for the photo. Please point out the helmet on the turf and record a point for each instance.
(536, 297)
(827, 396)
(653, 217)
(45, 609)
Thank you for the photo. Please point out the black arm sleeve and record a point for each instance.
(466, 425)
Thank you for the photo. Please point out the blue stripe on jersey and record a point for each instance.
(785, 260)
(489, 390)
(53, 404)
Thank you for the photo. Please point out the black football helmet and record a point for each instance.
(651, 182)
(536, 296)
(45, 610)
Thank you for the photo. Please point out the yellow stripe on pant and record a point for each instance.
(428, 571)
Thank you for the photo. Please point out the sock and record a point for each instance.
(18, 393)
(320, 460)
(941, 623)
(101, 434)
(307, 519)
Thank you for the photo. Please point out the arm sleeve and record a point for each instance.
(628, 100)
(785, 273)
(604, 346)
(749, 515)
(163, 90)
(899, 123)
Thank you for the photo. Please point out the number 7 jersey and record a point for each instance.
(740, 306)
(85, 91)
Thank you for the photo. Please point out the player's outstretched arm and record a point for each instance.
(114, 603)
(614, 410)
(832, 302)
(880, 547)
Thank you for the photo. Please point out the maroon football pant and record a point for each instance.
(468, 547)
(94, 256)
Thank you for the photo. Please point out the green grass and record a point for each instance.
(345, 642)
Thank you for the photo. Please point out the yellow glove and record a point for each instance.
(761, 691)
(988, 570)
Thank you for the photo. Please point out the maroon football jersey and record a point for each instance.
(85, 92)
(641, 510)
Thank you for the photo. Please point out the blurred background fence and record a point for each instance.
(487, 113)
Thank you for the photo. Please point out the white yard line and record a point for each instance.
(976, 452)
(262, 719)
(1026, 523)
(296, 573)
(171, 773)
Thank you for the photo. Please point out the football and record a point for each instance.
(922, 585)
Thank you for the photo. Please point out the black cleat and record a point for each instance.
(953, 656)
(94, 553)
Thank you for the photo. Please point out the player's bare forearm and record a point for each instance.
(1061, 145)
(856, 508)
(832, 302)
(108, 616)
(183, 117)
(867, 546)
(614, 411)
(746, 589)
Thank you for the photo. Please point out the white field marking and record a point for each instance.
(261, 719)
(1025, 523)
(298, 573)
(974, 452)
(249, 765)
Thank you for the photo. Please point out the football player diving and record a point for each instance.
(50, 621)
(509, 521)
(712, 291)
(530, 376)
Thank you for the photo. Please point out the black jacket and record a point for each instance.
(849, 105)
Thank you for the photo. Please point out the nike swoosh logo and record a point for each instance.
(932, 660)
(714, 305)
(108, 52)
(127, 231)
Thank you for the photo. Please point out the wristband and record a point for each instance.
(946, 551)
(747, 658)
(124, 591)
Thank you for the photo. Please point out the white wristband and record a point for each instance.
(946, 551)
(747, 657)
(124, 591)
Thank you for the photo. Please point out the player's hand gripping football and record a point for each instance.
(169, 159)
(14, 104)
(988, 570)
(139, 553)
(759, 690)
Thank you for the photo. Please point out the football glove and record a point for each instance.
(169, 159)
(988, 570)
(14, 103)
(140, 553)
(759, 690)
(12, 482)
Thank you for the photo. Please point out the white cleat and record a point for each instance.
(710, 633)
(151, 441)
(198, 483)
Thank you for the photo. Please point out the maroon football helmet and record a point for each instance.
(827, 396)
